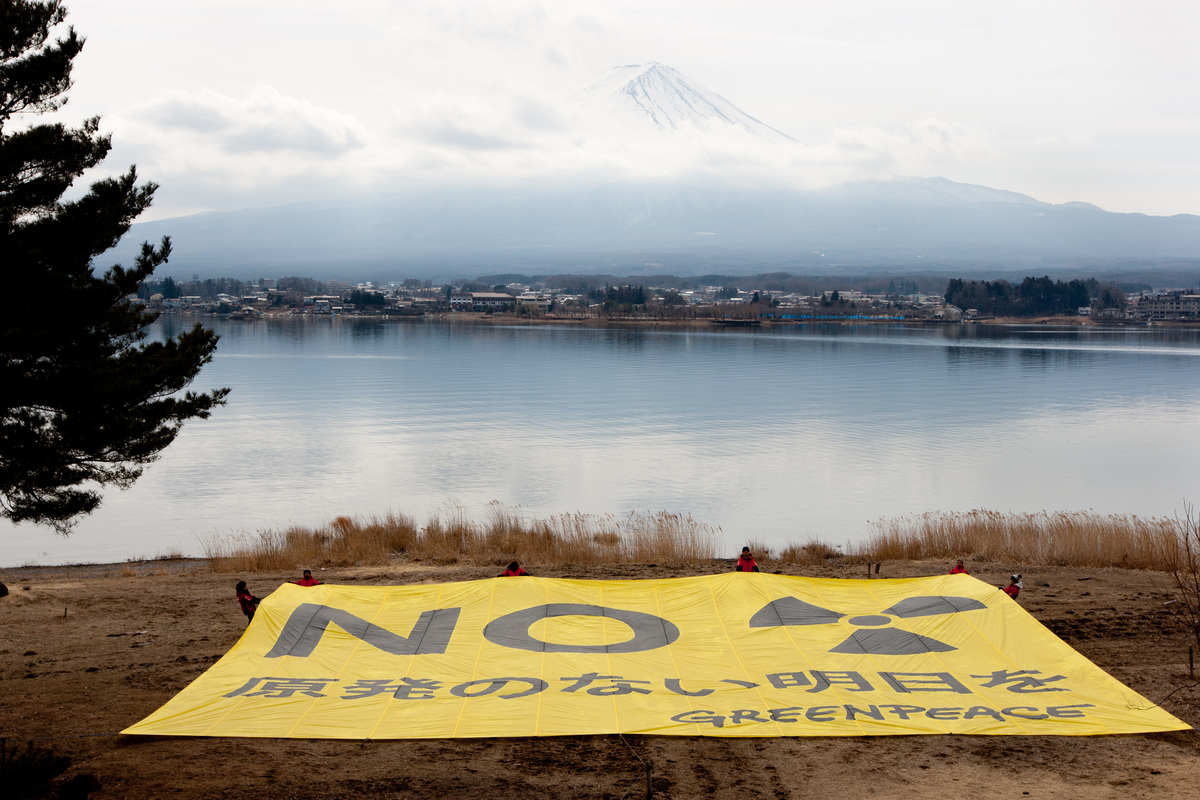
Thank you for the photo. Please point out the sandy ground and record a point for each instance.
(87, 650)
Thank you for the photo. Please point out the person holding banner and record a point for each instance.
(247, 601)
(1014, 586)
(959, 569)
(745, 562)
(307, 580)
(514, 570)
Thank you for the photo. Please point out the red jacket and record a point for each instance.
(959, 570)
(746, 565)
(1012, 590)
(307, 582)
(508, 573)
(248, 602)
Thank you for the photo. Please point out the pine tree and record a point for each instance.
(85, 399)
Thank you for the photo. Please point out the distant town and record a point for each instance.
(748, 301)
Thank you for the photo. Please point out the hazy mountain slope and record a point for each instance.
(914, 221)
(726, 225)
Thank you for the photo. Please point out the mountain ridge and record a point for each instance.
(726, 223)
(552, 226)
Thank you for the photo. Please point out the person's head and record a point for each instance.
(1015, 578)
(513, 567)
(958, 563)
(241, 587)
(746, 552)
(308, 573)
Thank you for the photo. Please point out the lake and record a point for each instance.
(774, 435)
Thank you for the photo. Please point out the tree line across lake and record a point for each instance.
(1032, 297)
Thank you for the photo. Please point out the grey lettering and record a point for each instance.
(943, 713)
(1068, 712)
(304, 628)
(784, 714)
(903, 712)
(853, 712)
(821, 713)
(698, 716)
(512, 630)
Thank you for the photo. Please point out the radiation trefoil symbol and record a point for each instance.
(872, 638)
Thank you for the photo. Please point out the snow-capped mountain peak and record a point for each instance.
(657, 94)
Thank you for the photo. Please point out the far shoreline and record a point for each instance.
(720, 323)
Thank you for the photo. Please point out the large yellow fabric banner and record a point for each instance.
(738, 654)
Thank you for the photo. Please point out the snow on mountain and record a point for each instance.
(664, 98)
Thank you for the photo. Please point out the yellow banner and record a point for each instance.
(738, 654)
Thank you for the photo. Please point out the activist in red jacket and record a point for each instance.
(307, 580)
(514, 570)
(959, 569)
(247, 601)
(745, 562)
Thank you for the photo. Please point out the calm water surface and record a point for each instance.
(773, 435)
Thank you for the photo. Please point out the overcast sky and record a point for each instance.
(236, 103)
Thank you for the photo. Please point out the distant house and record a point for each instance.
(322, 303)
(533, 301)
(948, 312)
(1172, 305)
(481, 301)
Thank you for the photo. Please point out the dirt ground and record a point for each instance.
(86, 651)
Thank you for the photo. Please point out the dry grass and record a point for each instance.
(451, 536)
(344, 541)
(810, 553)
(1080, 539)
(1064, 538)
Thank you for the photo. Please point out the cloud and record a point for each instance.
(426, 89)
(454, 122)
(540, 116)
(209, 150)
(267, 147)
(264, 121)
(453, 135)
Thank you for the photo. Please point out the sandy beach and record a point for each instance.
(87, 650)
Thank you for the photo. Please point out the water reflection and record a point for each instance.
(773, 434)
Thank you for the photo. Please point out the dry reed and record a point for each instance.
(1062, 538)
(451, 536)
(1081, 539)
(810, 553)
(344, 541)
(1182, 557)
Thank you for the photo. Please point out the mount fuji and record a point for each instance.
(657, 96)
(713, 220)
